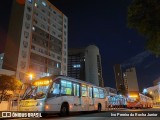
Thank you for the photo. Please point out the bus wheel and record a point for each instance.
(64, 110)
(99, 108)
(44, 115)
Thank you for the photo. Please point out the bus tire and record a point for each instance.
(99, 108)
(64, 109)
(44, 115)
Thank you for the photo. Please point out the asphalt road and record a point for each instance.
(123, 114)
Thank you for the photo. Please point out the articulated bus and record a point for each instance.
(62, 95)
(139, 101)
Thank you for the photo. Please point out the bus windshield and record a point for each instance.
(36, 92)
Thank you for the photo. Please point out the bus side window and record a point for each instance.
(101, 93)
(76, 89)
(66, 87)
(54, 91)
(90, 92)
(96, 92)
(55, 88)
(84, 90)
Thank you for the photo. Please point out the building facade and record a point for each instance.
(154, 91)
(130, 81)
(156, 82)
(37, 40)
(85, 64)
(118, 76)
(1, 60)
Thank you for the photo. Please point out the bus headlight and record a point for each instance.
(46, 107)
(39, 103)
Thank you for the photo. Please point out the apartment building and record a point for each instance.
(37, 40)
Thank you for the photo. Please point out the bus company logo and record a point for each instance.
(6, 114)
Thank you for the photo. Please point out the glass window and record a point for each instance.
(75, 89)
(27, 25)
(84, 90)
(90, 92)
(101, 93)
(78, 90)
(96, 92)
(66, 87)
(55, 90)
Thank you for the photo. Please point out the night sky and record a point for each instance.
(104, 24)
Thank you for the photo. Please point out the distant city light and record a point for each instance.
(144, 91)
(33, 28)
(76, 66)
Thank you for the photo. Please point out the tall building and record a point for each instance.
(1, 60)
(37, 40)
(130, 81)
(118, 76)
(85, 64)
(76, 63)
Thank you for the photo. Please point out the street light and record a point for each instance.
(30, 76)
(144, 91)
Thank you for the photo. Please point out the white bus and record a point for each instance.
(63, 95)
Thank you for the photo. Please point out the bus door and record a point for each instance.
(84, 98)
(77, 99)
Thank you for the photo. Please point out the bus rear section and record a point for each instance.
(139, 101)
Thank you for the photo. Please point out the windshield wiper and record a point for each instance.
(29, 93)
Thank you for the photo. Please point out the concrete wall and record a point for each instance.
(4, 106)
(7, 72)
(131, 78)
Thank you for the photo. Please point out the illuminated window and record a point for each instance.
(90, 92)
(96, 92)
(33, 28)
(57, 65)
(66, 87)
(30, 1)
(43, 3)
(35, 4)
(101, 93)
(75, 89)
(84, 91)
(76, 66)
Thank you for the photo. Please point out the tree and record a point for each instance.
(8, 83)
(144, 16)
